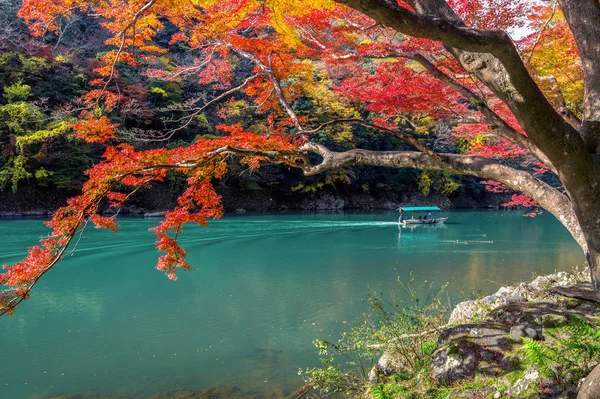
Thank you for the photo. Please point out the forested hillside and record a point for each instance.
(44, 82)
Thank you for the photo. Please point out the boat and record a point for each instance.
(427, 218)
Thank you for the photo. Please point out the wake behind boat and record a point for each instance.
(415, 216)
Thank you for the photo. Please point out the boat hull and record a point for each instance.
(416, 221)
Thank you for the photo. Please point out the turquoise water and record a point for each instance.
(261, 289)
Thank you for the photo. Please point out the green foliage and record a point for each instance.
(56, 80)
(163, 93)
(436, 181)
(17, 92)
(462, 145)
(537, 355)
(424, 183)
(20, 118)
(308, 187)
(158, 91)
(13, 172)
(573, 350)
(330, 178)
(445, 185)
(54, 129)
(387, 391)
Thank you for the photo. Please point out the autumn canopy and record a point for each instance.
(503, 90)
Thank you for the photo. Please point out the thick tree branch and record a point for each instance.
(406, 137)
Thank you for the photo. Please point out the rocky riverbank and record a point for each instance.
(537, 339)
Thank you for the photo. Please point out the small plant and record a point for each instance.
(572, 350)
(404, 328)
(539, 356)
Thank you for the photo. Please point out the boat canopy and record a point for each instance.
(419, 208)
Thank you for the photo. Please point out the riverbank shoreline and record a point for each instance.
(530, 340)
(30, 203)
(142, 213)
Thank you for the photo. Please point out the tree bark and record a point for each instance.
(583, 17)
(593, 258)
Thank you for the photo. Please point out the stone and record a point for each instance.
(590, 388)
(526, 387)
(452, 364)
(470, 311)
(134, 210)
(389, 363)
(10, 214)
(560, 279)
(33, 213)
(373, 375)
(551, 320)
(526, 331)
(477, 393)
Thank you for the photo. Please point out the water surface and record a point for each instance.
(261, 289)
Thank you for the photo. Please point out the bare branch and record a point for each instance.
(268, 70)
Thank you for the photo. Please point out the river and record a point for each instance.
(261, 289)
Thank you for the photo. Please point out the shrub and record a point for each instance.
(404, 327)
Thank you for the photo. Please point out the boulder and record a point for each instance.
(560, 279)
(590, 387)
(526, 331)
(373, 375)
(534, 291)
(469, 311)
(389, 363)
(453, 363)
(526, 387)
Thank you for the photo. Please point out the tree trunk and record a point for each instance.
(591, 231)
(593, 258)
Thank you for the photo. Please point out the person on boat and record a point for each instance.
(431, 218)
(420, 218)
(400, 218)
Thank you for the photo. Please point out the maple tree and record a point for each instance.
(296, 72)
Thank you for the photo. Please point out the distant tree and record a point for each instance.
(313, 70)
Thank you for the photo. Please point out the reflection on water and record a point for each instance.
(261, 289)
